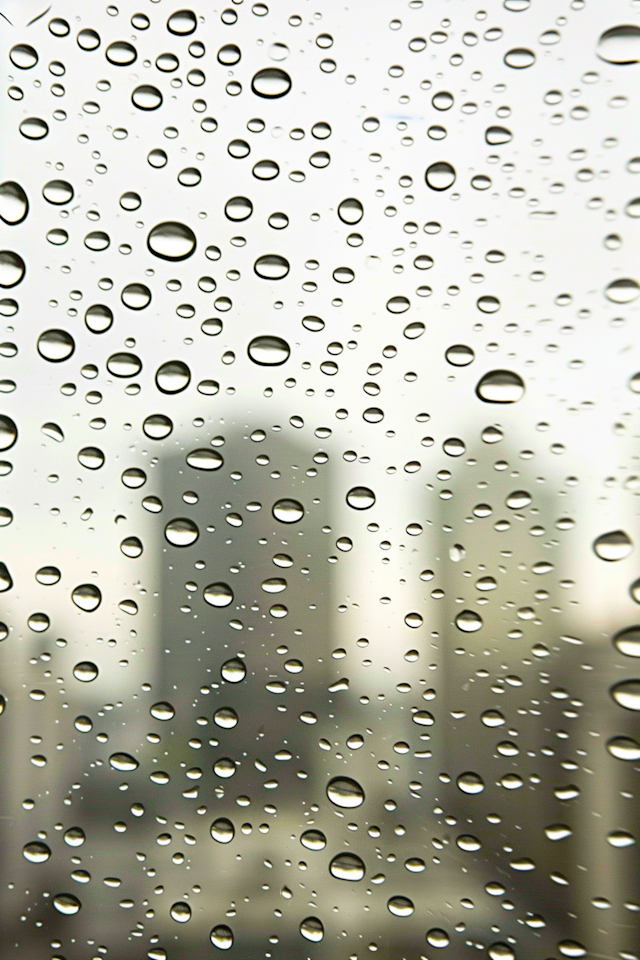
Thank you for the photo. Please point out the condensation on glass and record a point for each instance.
(319, 429)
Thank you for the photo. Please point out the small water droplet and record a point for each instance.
(287, 511)
(23, 56)
(172, 241)
(85, 671)
(123, 762)
(222, 830)
(226, 717)
(218, 595)
(437, 937)
(14, 205)
(12, 269)
(468, 621)
(121, 53)
(157, 426)
(146, 97)
(470, 783)
(221, 937)
(440, 175)
(313, 840)
(400, 906)
(269, 351)
(174, 376)
(624, 748)
(361, 498)
(345, 792)
(181, 532)
(347, 866)
(233, 671)
(34, 128)
(625, 290)
(180, 912)
(519, 58)
(312, 929)
(271, 83)
(612, 546)
(87, 597)
(162, 710)
(351, 211)
(66, 903)
(620, 44)
(182, 23)
(627, 694)
(36, 852)
(136, 296)
(500, 386)
(271, 266)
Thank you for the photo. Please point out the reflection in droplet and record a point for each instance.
(12, 268)
(233, 671)
(347, 866)
(221, 937)
(14, 205)
(48, 576)
(157, 426)
(361, 498)
(172, 241)
(440, 175)
(350, 211)
(238, 209)
(181, 532)
(6, 580)
(8, 432)
(182, 23)
(222, 830)
(612, 546)
(624, 748)
(91, 457)
(226, 717)
(313, 840)
(66, 903)
(468, 621)
(470, 783)
(627, 641)
(180, 912)
(121, 53)
(500, 951)
(627, 694)
(624, 290)
(123, 762)
(287, 510)
(459, 355)
(36, 852)
(400, 906)
(312, 929)
(146, 97)
(23, 56)
(85, 671)
(33, 128)
(98, 318)
(345, 792)
(218, 594)
(205, 459)
(87, 597)
(136, 296)
(173, 376)
(271, 267)
(620, 44)
(519, 58)
(270, 83)
(269, 351)
(500, 386)
(162, 710)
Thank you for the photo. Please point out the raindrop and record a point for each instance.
(33, 128)
(23, 56)
(6, 580)
(172, 241)
(233, 671)
(36, 852)
(121, 53)
(269, 351)
(85, 671)
(130, 201)
(361, 498)
(312, 929)
(500, 386)
(400, 906)
(136, 296)
(38, 622)
(519, 58)
(91, 457)
(205, 459)
(493, 718)
(313, 840)
(74, 836)
(351, 211)
(14, 205)
(470, 783)
(469, 621)
(440, 175)
(162, 710)
(66, 903)
(222, 830)
(87, 597)
(181, 532)
(437, 937)
(398, 304)
(12, 268)
(180, 912)
(226, 717)
(616, 545)
(345, 792)
(624, 748)
(347, 866)
(496, 136)
(627, 694)
(287, 511)
(271, 266)
(218, 595)
(124, 364)
(238, 209)
(624, 290)
(571, 948)
(123, 762)
(454, 447)
(182, 23)
(48, 576)
(271, 83)
(459, 355)
(8, 432)
(620, 45)
(229, 54)
(221, 937)
(627, 641)
(500, 951)
(224, 768)
(173, 376)
(558, 831)
(157, 426)
(98, 318)
(146, 97)
(88, 39)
